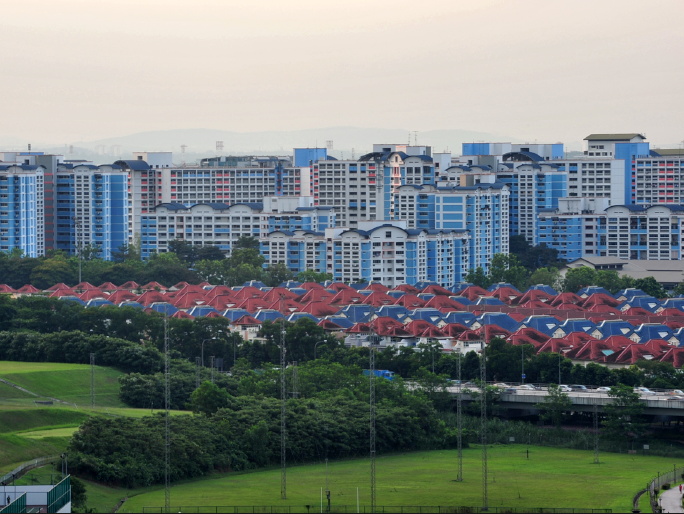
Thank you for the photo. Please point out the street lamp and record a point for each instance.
(315, 345)
(204, 341)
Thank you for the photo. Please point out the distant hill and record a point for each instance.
(345, 139)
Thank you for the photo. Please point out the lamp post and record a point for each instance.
(204, 341)
(315, 345)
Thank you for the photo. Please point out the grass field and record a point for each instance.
(67, 382)
(550, 478)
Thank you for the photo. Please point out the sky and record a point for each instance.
(80, 70)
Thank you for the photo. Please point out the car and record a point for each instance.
(509, 390)
(603, 389)
(501, 384)
(529, 387)
(644, 390)
(677, 392)
(470, 384)
(677, 398)
(579, 388)
(565, 389)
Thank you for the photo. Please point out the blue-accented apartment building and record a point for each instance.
(481, 211)
(22, 210)
(91, 207)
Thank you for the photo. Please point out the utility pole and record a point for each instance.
(483, 427)
(459, 426)
(167, 401)
(283, 408)
(522, 362)
(198, 368)
(92, 381)
(212, 368)
(373, 342)
(596, 435)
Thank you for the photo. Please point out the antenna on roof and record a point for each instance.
(183, 147)
(329, 144)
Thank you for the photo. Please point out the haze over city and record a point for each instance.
(552, 71)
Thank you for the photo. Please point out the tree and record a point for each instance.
(79, 499)
(555, 403)
(276, 274)
(128, 252)
(210, 252)
(608, 279)
(184, 250)
(167, 269)
(651, 287)
(52, 271)
(623, 414)
(209, 398)
(313, 276)
(548, 276)
(577, 278)
(507, 268)
(478, 278)
(247, 242)
(534, 257)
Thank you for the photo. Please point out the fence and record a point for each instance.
(16, 507)
(27, 466)
(408, 509)
(59, 496)
(654, 486)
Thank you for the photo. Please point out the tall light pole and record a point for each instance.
(315, 345)
(204, 341)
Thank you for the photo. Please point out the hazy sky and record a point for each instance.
(551, 70)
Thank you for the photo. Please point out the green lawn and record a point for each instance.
(67, 382)
(550, 478)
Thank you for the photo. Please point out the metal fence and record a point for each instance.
(408, 509)
(667, 477)
(27, 466)
(16, 507)
(59, 496)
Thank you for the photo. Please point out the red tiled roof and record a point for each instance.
(253, 304)
(108, 286)
(347, 297)
(315, 295)
(377, 287)
(57, 287)
(406, 289)
(444, 302)
(62, 292)
(437, 290)
(671, 312)
(91, 294)
(149, 297)
(378, 299)
(246, 320)
(329, 326)
(339, 286)
(277, 293)
(182, 315)
(311, 285)
(675, 356)
(222, 302)
(249, 292)
(154, 286)
(285, 307)
(453, 329)
(4, 288)
(473, 293)
(28, 288)
(319, 309)
(565, 298)
(130, 285)
(410, 301)
(122, 296)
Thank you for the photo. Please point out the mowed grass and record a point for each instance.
(52, 432)
(550, 478)
(67, 382)
(7, 391)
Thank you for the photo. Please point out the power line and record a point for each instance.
(92, 381)
(283, 407)
(483, 427)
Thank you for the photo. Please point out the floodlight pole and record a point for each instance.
(92, 381)
(283, 409)
(483, 427)
(596, 435)
(167, 398)
(371, 376)
(459, 427)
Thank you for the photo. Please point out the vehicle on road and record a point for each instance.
(501, 384)
(509, 390)
(644, 390)
(579, 388)
(565, 389)
(676, 398)
(529, 387)
(603, 389)
(677, 392)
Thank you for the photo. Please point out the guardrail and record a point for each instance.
(408, 509)
(27, 466)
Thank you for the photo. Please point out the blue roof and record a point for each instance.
(542, 287)
(254, 283)
(590, 290)
(267, 314)
(397, 312)
(459, 286)
(234, 314)
(433, 316)
(296, 316)
(577, 325)
(98, 302)
(530, 155)
(616, 327)
(500, 319)
(544, 324)
(135, 165)
(72, 299)
(201, 310)
(342, 321)
(356, 313)
(130, 303)
(646, 332)
(629, 293)
(645, 302)
(290, 284)
(494, 287)
(464, 318)
(483, 300)
(164, 307)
